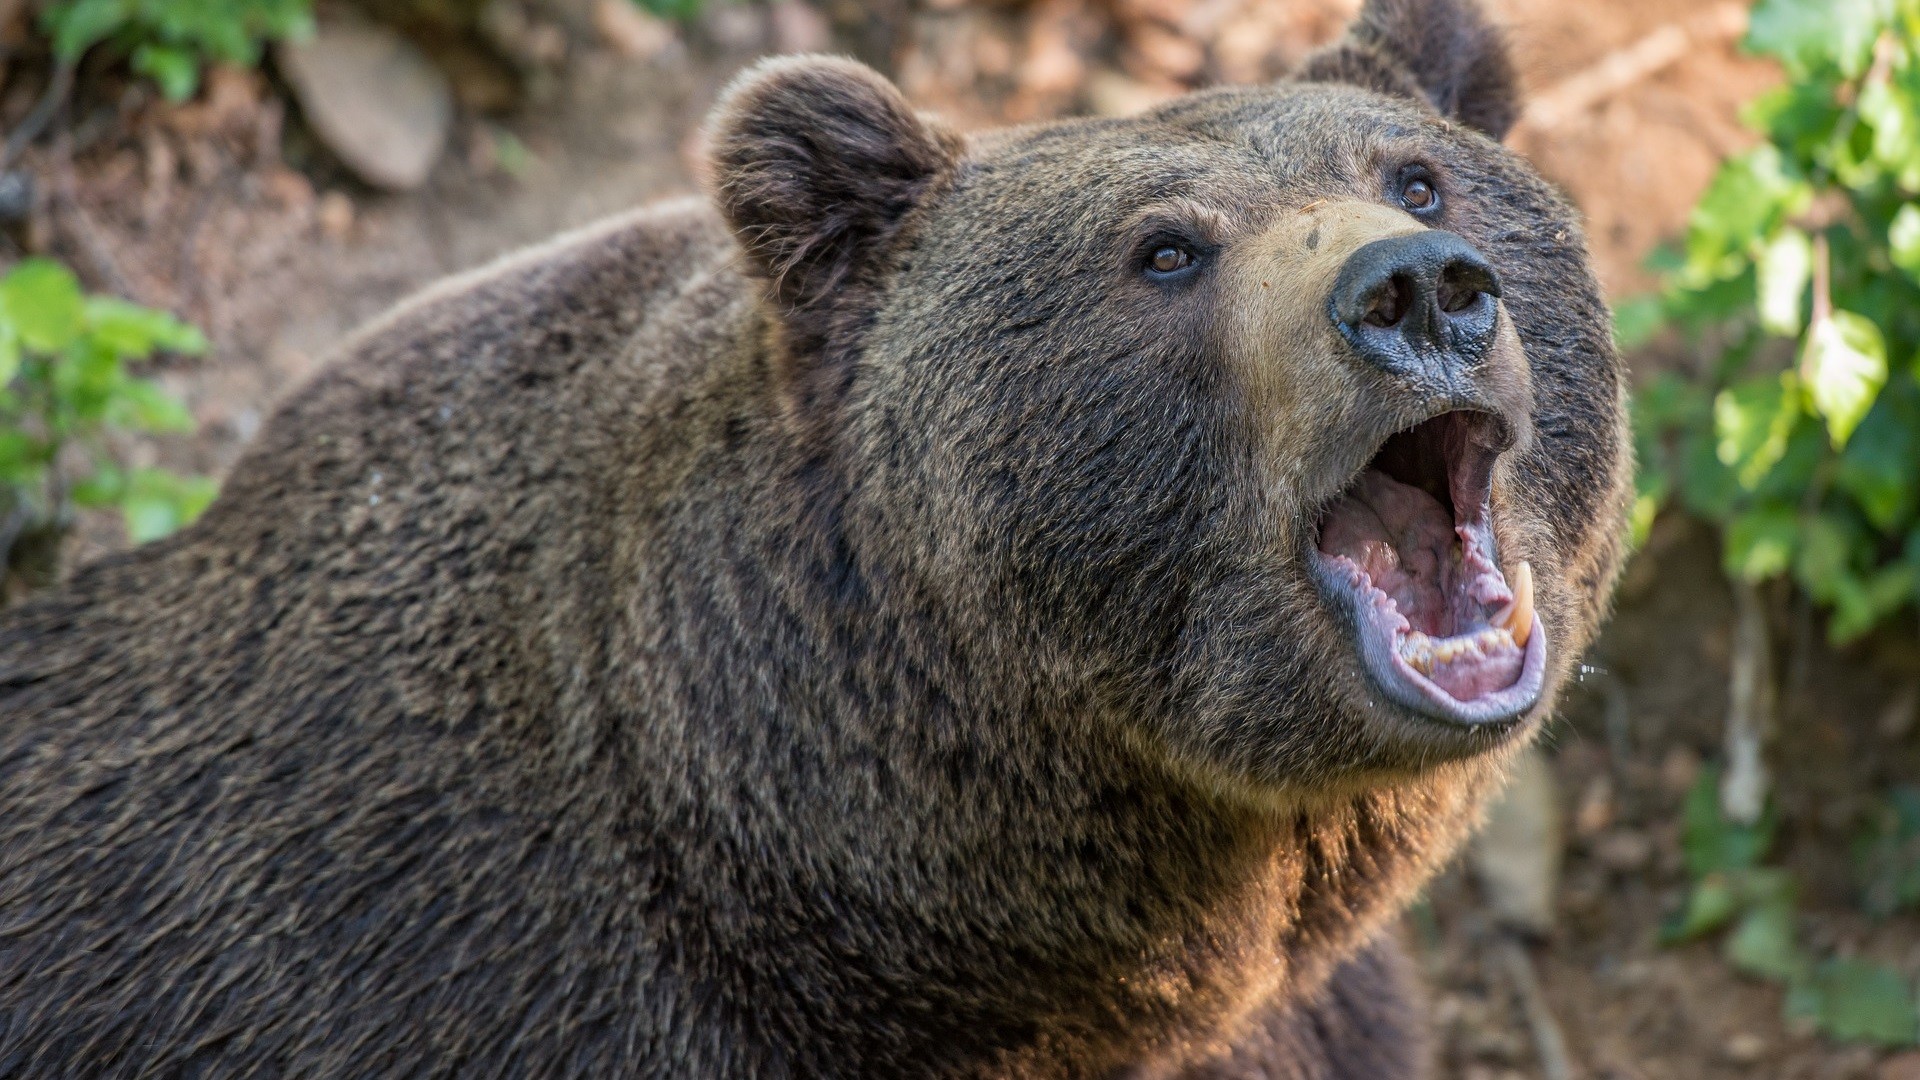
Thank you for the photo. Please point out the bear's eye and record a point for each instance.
(1170, 260)
(1416, 193)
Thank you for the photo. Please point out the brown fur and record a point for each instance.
(860, 633)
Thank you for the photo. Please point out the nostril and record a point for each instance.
(1388, 303)
(1462, 283)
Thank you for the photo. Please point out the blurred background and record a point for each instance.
(1711, 868)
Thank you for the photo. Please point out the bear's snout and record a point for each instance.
(1419, 305)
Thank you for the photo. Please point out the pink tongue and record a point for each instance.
(1403, 538)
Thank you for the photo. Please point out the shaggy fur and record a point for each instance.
(862, 632)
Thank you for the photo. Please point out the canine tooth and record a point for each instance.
(1518, 618)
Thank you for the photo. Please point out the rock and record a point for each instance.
(1902, 1066)
(1516, 857)
(286, 188)
(798, 27)
(1745, 1048)
(1679, 769)
(631, 31)
(1158, 51)
(1595, 809)
(1109, 93)
(1052, 65)
(335, 215)
(373, 99)
(1624, 851)
(16, 196)
(735, 27)
(1896, 720)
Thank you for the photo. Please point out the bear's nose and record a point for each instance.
(1417, 304)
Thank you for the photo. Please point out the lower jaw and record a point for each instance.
(1401, 684)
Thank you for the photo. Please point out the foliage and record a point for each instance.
(1888, 854)
(672, 9)
(64, 388)
(172, 40)
(1800, 272)
(1754, 904)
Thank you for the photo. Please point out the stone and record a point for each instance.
(1516, 857)
(1902, 1066)
(373, 99)
(632, 32)
(798, 27)
(1744, 1048)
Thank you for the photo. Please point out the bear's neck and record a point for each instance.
(941, 869)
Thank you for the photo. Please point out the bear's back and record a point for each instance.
(306, 779)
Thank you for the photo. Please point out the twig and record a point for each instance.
(50, 103)
(1750, 710)
(1549, 1043)
(1623, 68)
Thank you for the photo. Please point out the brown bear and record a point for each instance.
(1027, 605)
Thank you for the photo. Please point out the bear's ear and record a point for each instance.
(1445, 52)
(815, 161)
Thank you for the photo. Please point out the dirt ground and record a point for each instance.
(229, 212)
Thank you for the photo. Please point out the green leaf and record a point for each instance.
(1845, 366)
(1640, 519)
(1808, 453)
(1760, 542)
(1750, 196)
(1709, 489)
(1798, 117)
(81, 24)
(1711, 904)
(141, 405)
(1763, 942)
(1878, 466)
(1887, 106)
(1782, 271)
(1752, 422)
(1903, 240)
(41, 299)
(176, 70)
(1807, 35)
(1824, 556)
(1636, 319)
(21, 459)
(105, 486)
(1711, 843)
(157, 502)
(1857, 1000)
(1860, 603)
(133, 332)
(9, 353)
(1668, 400)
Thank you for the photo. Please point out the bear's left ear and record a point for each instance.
(815, 162)
(1444, 52)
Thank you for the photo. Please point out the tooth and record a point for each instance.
(1518, 618)
(1417, 650)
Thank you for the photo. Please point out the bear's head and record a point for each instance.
(1281, 426)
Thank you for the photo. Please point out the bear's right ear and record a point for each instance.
(1443, 52)
(815, 161)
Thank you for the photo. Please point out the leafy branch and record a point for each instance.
(64, 390)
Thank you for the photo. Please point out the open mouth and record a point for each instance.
(1409, 551)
